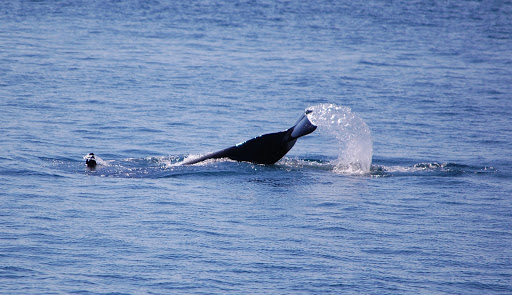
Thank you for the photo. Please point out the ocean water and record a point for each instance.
(404, 188)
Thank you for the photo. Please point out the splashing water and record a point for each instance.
(352, 133)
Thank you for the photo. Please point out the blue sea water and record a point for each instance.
(423, 89)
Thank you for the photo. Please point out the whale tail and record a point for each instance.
(264, 149)
(303, 126)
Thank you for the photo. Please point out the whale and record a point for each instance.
(263, 149)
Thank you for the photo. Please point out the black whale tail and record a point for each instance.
(264, 149)
(303, 126)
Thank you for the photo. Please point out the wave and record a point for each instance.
(170, 167)
(430, 169)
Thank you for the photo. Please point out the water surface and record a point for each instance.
(144, 85)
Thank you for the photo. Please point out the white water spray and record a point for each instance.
(352, 133)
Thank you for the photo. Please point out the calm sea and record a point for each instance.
(422, 89)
